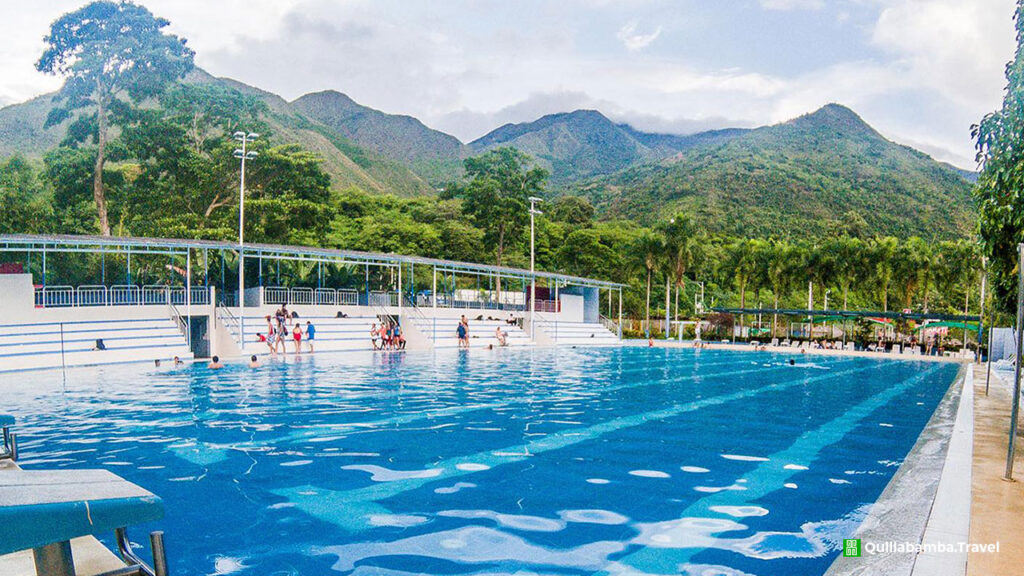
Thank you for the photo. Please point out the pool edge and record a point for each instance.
(925, 501)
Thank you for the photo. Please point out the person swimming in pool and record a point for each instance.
(254, 362)
(215, 363)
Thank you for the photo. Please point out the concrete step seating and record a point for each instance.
(332, 334)
(580, 333)
(39, 344)
(481, 332)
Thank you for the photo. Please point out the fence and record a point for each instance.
(120, 295)
(318, 296)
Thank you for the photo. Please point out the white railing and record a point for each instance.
(348, 298)
(179, 321)
(325, 296)
(155, 294)
(91, 295)
(547, 306)
(230, 321)
(275, 295)
(383, 298)
(124, 295)
(610, 325)
(305, 296)
(120, 295)
(55, 296)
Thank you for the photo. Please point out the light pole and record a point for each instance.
(533, 277)
(242, 154)
(827, 292)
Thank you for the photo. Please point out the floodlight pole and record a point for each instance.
(533, 277)
(1015, 410)
(242, 154)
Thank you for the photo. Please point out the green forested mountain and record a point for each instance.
(432, 154)
(578, 144)
(824, 172)
(819, 173)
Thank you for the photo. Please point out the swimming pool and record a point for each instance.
(567, 461)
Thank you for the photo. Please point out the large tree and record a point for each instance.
(1000, 189)
(113, 55)
(497, 195)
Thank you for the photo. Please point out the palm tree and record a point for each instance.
(650, 248)
(684, 242)
(780, 260)
(741, 266)
(849, 260)
(883, 257)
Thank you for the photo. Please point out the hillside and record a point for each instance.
(572, 145)
(434, 155)
(349, 164)
(820, 173)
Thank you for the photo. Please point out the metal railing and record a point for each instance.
(179, 321)
(55, 296)
(231, 322)
(610, 325)
(381, 298)
(309, 296)
(118, 295)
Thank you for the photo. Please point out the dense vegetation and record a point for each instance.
(801, 179)
(1002, 178)
(807, 212)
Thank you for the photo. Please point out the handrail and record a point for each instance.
(178, 319)
(610, 325)
(229, 320)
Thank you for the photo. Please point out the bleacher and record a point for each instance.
(332, 334)
(40, 344)
(577, 333)
(481, 332)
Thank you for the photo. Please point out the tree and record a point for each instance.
(113, 55)
(573, 210)
(501, 182)
(650, 248)
(781, 259)
(741, 266)
(883, 260)
(848, 254)
(1001, 183)
(684, 243)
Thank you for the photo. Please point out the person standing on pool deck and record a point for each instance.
(374, 334)
(310, 334)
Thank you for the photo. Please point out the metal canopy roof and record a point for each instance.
(86, 243)
(853, 314)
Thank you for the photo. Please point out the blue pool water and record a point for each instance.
(572, 461)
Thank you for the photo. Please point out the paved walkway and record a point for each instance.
(997, 506)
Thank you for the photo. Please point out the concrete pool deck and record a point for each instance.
(997, 506)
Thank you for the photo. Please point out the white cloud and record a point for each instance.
(792, 4)
(634, 40)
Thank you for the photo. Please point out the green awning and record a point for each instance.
(948, 324)
(828, 319)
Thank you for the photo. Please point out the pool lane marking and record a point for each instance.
(205, 454)
(350, 508)
(342, 430)
(767, 477)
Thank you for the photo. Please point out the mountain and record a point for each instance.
(811, 176)
(348, 163)
(824, 171)
(432, 154)
(585, 143)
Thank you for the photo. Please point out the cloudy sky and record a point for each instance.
(921, 71)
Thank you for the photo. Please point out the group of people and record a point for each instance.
(278, 332)
(387, 336)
